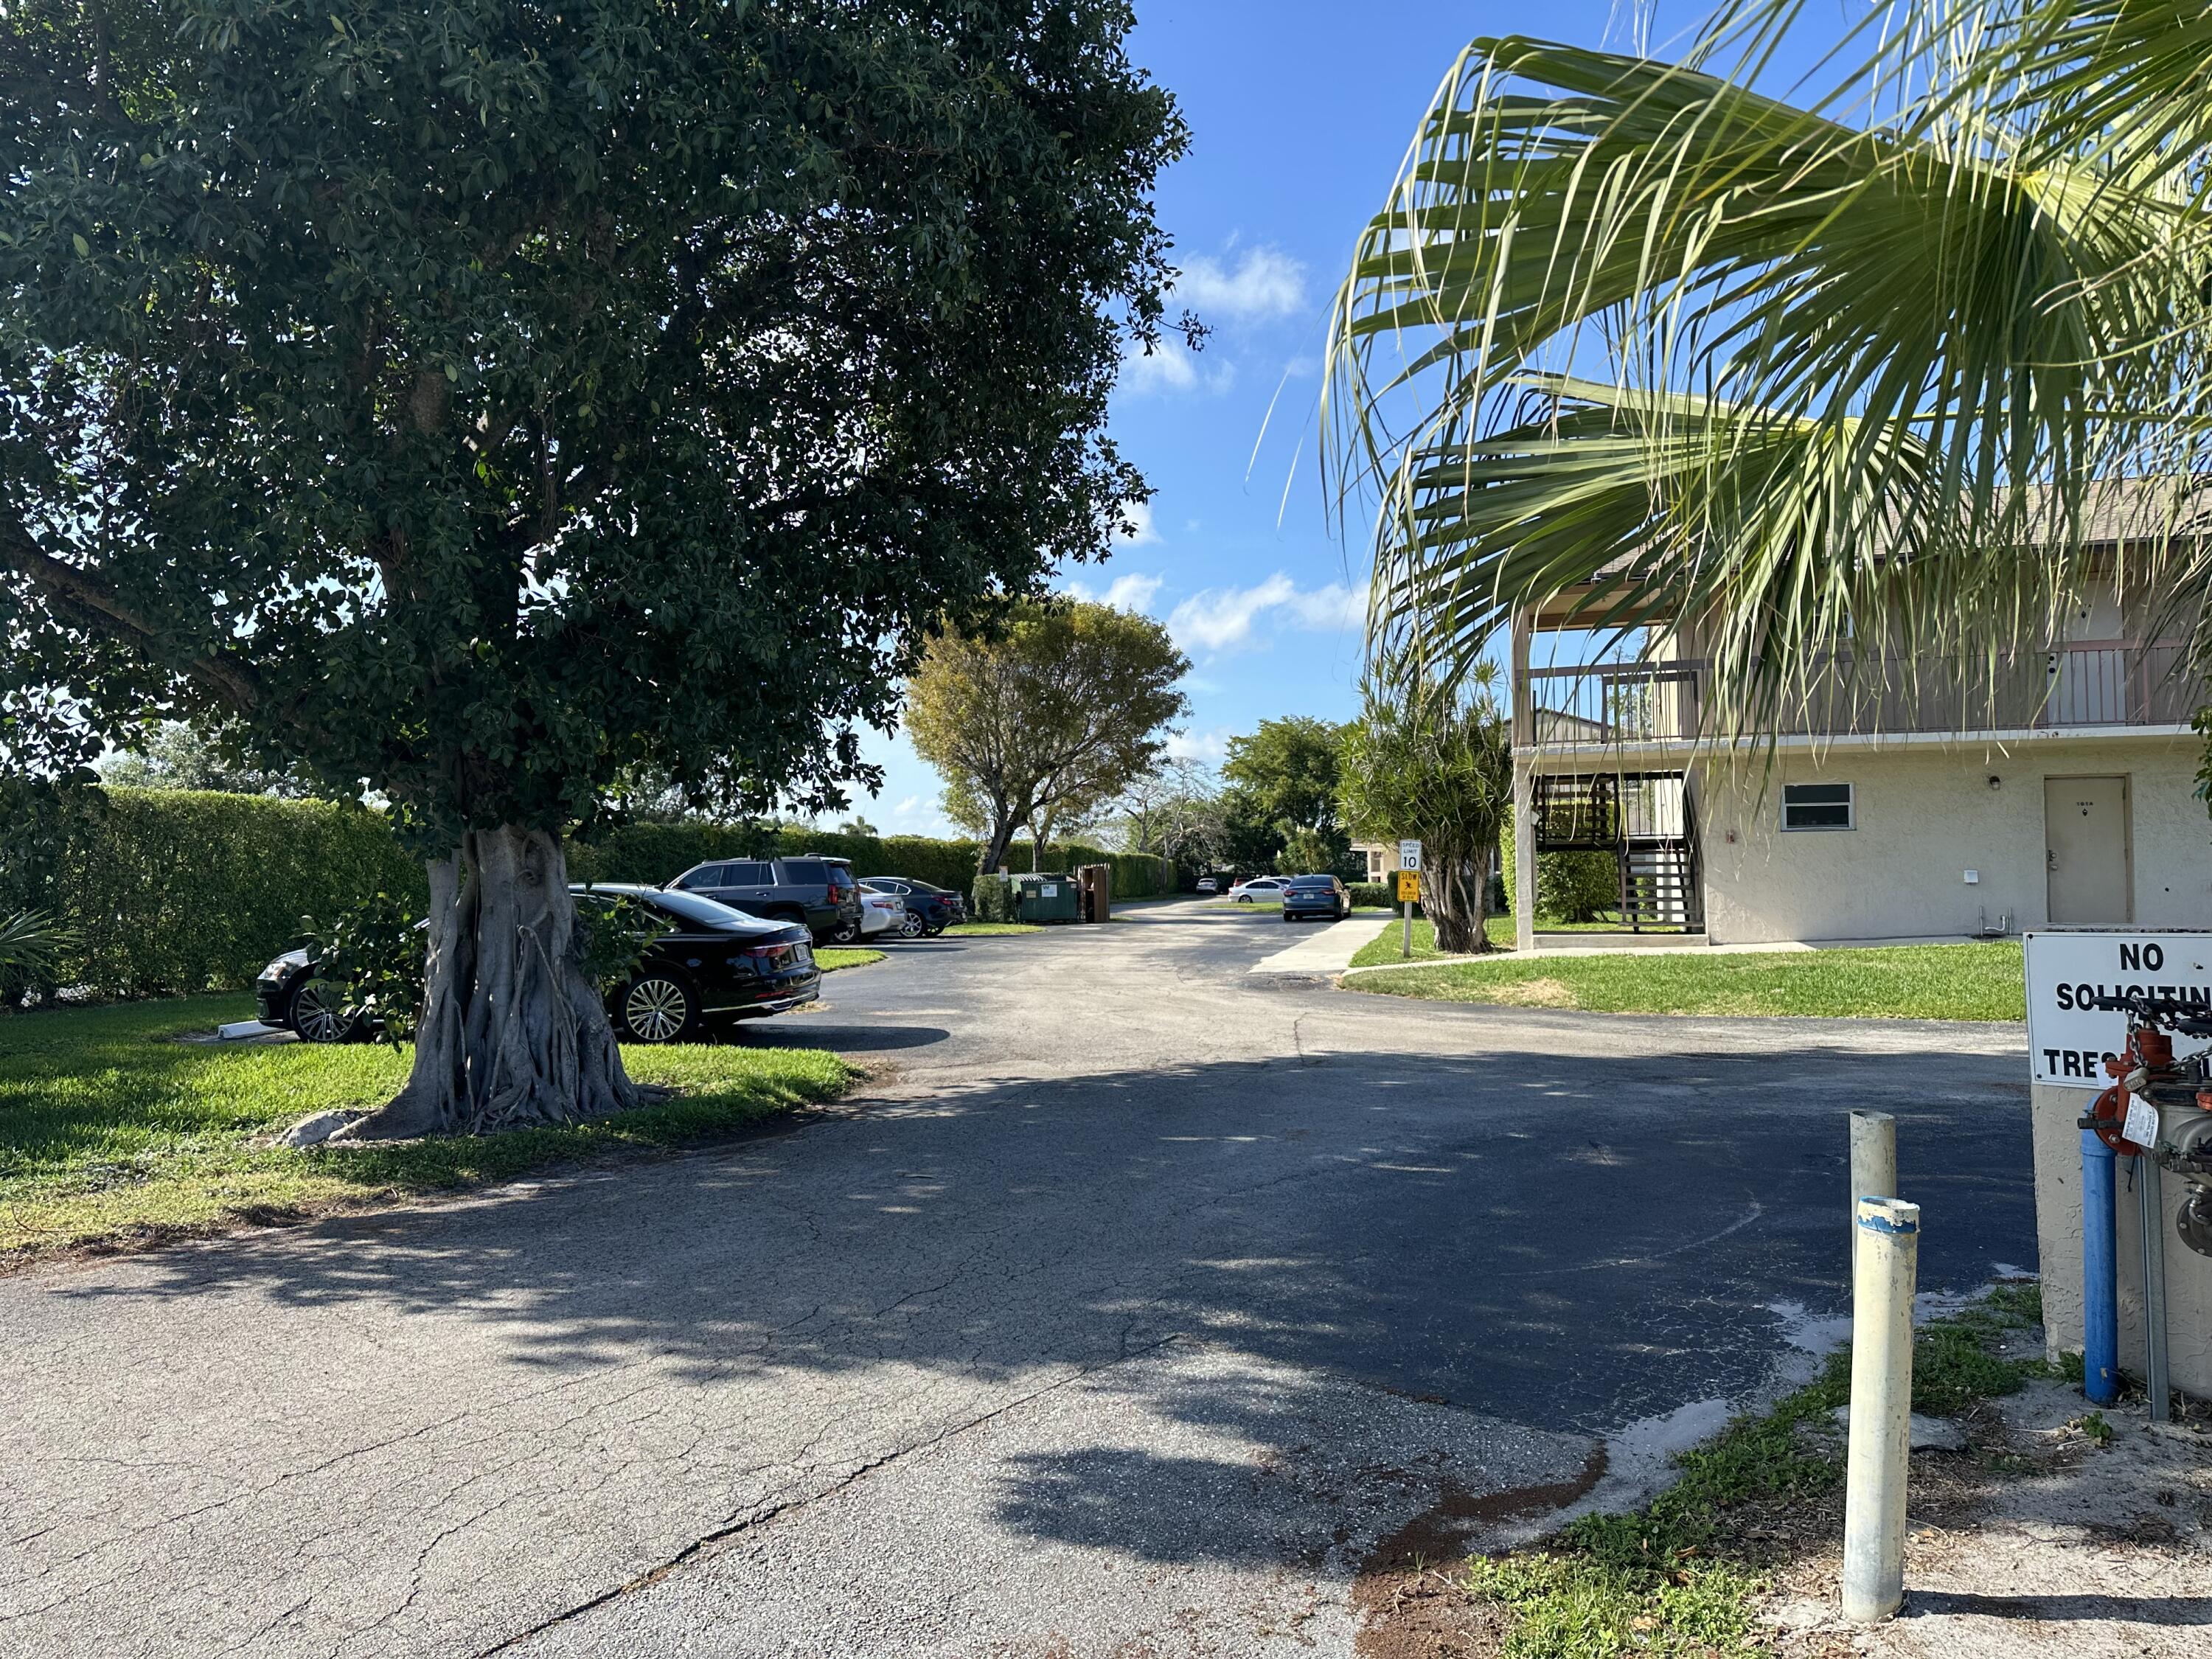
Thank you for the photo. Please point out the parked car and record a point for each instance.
(880, 913)
(929, 910)
(712, 963)
(1208, 885)
(817, 891)
(1259, 887)
(1306, 896)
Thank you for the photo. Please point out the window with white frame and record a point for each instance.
(1817, 806)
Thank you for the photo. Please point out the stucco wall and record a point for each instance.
(1926, 815)
(2058, 1239)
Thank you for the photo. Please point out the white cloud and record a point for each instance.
(1223, 617)
(1265, 282)
(1131, 591)
(1172, 366)
(917, 815)
(1199, 745)
(1143, 532)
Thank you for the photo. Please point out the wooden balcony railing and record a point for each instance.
(2094, 684)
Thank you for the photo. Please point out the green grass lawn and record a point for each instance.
(1385, 946)
(111, 1132)
(1906, 981)
(831, 958)
(991, 929)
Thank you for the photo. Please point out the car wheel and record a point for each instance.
(912, 926)
(658, 1009)
(319, 1013)
(845, 933)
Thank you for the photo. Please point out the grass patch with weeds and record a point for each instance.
(112, 1130)
(1678, 1576)
(831, 958)
(1979, 982)
(991, 929)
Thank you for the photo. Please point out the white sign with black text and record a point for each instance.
(2069, 969)
(1409, 855)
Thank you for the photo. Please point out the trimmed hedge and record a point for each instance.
(171, 891)
(660, 852)
(185, 890)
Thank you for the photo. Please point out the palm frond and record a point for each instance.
(1848, 368)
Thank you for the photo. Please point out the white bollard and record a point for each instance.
(1887, 1263)
(1873, 1170)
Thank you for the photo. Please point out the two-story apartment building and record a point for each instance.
(1895, 806)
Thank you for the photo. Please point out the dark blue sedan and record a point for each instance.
(1305, 897)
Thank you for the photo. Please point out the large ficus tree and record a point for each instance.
(476, 401)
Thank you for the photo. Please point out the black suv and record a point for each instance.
(819, 892)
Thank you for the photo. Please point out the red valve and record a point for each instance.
(2146, 1051)
(2108, 1117)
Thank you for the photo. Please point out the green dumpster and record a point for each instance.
(1047, 898)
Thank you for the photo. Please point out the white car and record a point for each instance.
(1208, 885)
(879, 913)
(1260, 887)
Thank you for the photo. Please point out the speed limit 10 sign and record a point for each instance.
(1409, 855)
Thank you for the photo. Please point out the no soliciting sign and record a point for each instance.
(2068, 1039)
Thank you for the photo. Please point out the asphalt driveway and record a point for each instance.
(1136, 1303)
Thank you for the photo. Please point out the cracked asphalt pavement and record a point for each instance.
(1126, 1310)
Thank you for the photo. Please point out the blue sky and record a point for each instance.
(1299, 118)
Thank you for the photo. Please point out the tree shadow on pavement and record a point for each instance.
(1564, 1241)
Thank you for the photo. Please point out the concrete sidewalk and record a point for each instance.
(1329, 952)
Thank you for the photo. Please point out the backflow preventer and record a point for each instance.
(2146, 1076)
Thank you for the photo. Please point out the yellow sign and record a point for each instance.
(1409, 886)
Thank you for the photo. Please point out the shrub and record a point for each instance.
(993, 899)
(31, 946)
(1569, 886)
(1576, 886)
(179, 890)
(375, 950)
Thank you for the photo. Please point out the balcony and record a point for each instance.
(1603, 706)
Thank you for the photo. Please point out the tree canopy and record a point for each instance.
(481, 398)
(493, 402)
(1283, 779)
(1046, 719)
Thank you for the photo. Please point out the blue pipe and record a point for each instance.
(2100, 1299)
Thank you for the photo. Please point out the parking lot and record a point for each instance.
(1136, 1299)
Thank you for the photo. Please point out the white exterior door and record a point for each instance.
(2085, 830)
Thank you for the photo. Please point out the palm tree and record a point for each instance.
(1698, 358)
